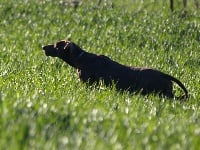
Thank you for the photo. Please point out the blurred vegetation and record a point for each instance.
(44, 106)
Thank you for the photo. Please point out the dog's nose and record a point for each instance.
(43, 47)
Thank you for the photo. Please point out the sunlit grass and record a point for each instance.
(44, 106)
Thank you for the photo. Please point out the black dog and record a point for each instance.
(92, 68)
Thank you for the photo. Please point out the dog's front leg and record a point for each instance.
(86, 76)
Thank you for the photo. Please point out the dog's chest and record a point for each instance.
(92, 75)
(85, 74)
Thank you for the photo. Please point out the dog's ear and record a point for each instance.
(66, 45)
(60, 44)
(72, 49)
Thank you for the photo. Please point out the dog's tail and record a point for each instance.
(185, 95)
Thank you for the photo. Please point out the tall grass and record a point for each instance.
(44, 106)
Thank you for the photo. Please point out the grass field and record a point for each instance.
(44, 106)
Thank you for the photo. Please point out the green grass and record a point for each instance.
(44, 106)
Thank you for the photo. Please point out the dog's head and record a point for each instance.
(66, 50)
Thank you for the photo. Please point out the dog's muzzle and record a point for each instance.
(50, 50)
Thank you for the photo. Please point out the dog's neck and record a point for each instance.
(80, 55)
(76, 63)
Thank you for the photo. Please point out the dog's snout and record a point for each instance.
(50, 50)
(46, 47)
(43, 47)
